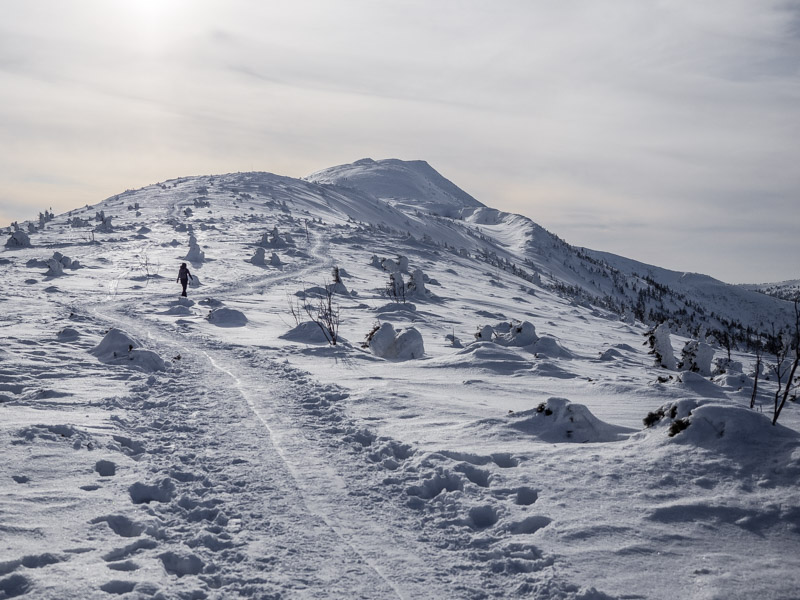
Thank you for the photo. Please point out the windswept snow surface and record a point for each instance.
(217, 447)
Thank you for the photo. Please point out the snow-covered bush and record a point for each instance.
(514, 333)
(387, 343)
(273, 239)
(661, 347)
(559, 420)
(117, 347)
(396, 287)
(259, 258)
(18, 239)
(696, 357)
(195, 254)
(59, 262)
(54, 268)
(105, 226)
(416, 285)
(275, 260)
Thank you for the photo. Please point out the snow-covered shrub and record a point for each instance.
(275, 260)
(273, 239)
(195, 254)
(661, 347)
(76, 222)
(396, 287)
(723, 365)
(18, 239)
(54, 268)
(105, 226)
(559, 420)
(392, 266)
(696, 357)
(259, 258)
(514, 333)
(416, 285)
(117, 347)
(485, 333)
(387, 343)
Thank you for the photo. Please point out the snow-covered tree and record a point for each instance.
(661, 346)
(696, 356)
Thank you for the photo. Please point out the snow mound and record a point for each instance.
(551, 348)
(68, 334)
(716, 426)
(559, 420)
(307, 332)
(227, 317)
(118, 348)
(385, 342)
(488, 356)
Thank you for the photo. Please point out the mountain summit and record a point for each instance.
(405, 184)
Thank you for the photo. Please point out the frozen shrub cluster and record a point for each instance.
(273, 239)
(105, 226)
(696, 357)
(18, 239)
(195, 255)
(59, 262)
(384, 341)
(661, 347)
(513, 333)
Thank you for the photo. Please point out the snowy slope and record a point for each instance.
(216, 447)
(787, 290)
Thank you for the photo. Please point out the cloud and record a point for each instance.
(588, 117)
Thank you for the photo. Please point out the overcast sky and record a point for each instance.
(665, 131)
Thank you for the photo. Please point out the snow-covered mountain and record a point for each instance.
(476, 431)
(786, 290)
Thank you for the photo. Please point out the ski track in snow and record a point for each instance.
(259, 468)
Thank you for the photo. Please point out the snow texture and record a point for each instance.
(163, 447)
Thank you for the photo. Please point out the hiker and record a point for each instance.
(183, 277)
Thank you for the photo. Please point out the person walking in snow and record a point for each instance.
(183, 276)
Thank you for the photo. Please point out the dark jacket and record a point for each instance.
(183, 274)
